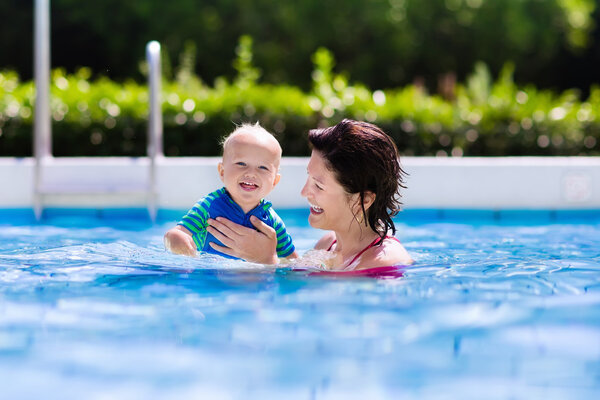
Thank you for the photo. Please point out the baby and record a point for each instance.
(250, 171)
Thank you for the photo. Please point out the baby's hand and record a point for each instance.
(179, 242)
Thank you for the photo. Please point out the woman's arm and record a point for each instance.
(251, 245)
(179, 240)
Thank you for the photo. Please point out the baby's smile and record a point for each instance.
(248, 186)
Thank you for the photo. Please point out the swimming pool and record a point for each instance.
(493, 309)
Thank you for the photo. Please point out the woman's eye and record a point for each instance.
(318, 187)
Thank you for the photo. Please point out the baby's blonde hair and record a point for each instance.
(254, 129)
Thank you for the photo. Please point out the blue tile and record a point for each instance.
(166, 215)
(295, 216)
(578, 216)
(127, 213)
(17, 216)
(418, 215)
(469, 216)
(526, 217)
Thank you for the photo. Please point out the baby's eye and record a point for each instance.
(241, 164)
(263, 167)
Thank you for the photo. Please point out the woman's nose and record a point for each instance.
(304, 191)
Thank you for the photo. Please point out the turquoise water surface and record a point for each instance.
(493, 309)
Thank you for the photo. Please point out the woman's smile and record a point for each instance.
(315, 209)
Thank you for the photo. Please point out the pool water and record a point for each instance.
(97, 310)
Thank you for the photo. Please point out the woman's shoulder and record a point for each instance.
(326, 241)
(390, 252)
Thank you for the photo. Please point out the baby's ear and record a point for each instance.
(276, 180)
(221, 171)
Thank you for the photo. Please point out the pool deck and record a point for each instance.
(477, 183)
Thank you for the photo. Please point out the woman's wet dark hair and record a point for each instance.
(363, 158)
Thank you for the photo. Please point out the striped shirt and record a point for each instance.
(220, 204)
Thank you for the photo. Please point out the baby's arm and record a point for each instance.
(179, 241)
(285, 247)
(292, 256)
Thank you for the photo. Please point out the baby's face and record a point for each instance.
(250, 168)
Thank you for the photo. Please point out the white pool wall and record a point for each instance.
(555, 183)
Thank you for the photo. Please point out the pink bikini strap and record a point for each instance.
(373, 243)
(331, 245)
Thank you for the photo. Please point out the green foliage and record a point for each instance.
(187, 62)
(579, 22)
(382, 43)
(247, 74)
(482, 117)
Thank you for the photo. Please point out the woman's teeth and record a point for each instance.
(315, 209)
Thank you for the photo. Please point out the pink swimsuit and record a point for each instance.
(373, 243)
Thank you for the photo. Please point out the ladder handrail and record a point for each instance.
(42, 124)
(42, 140)
(155, 125)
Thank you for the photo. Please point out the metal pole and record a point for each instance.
(42, 123)
(42, 126)
(155, 124)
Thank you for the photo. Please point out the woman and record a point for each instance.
(352, 188)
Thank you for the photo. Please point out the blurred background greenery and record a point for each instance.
(443, 77)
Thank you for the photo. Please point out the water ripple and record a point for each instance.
(86, 309)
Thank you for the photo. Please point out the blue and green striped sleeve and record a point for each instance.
(195, 222)
(285, 246)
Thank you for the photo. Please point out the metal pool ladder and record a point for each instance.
(78, 185)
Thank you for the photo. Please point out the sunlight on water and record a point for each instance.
(487, 311)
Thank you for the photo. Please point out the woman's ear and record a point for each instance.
(368, 199)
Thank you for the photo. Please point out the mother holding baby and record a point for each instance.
(353, 184)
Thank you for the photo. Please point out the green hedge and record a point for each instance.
(382, 43)
(481, 117)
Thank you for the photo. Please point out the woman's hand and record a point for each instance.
(251, 245)
(179, 240)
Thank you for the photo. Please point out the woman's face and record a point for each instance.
(330, 205)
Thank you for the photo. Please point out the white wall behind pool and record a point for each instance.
(438, 183)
